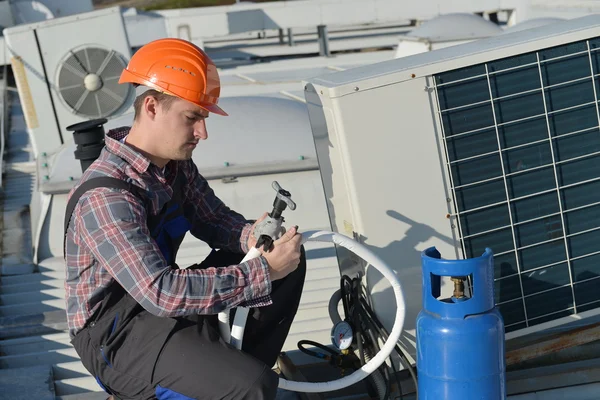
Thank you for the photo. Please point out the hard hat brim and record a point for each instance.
(128, 77)
(213, 108)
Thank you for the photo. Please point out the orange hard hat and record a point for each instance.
(178, 68)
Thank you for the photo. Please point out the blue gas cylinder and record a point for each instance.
(460, 340)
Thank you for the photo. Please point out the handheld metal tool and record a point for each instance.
(271, 229)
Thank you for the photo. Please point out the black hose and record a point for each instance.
(359, 313)
(332, 354)
(386, 377)
(356, 319)
(370, 316)
(397, 379)
(376, 345)
(345, 279)
(384, 334)
(365, 334)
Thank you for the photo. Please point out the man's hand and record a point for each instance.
(251, 239)
(284, 258)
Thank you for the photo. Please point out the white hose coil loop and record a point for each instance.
(235, 336)
(370, 257)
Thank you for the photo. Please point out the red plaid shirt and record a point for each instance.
(108, 239)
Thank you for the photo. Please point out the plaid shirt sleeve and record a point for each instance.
(214, 222)
(112, 225)
(217, 224)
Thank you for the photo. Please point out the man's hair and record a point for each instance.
(164, 99)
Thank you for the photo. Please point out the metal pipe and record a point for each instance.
(323, 41)
(89, 138)
(554, 343)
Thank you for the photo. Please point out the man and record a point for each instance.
(142, 326)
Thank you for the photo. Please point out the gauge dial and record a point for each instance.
(341, 335)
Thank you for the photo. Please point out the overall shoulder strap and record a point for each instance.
(104, 181)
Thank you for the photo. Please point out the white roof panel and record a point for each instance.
(227, 80)
(287, 75)
(257, 129)
(397, 70)
(261, 135)
(295, 75)
(532, 23)
(456, 26)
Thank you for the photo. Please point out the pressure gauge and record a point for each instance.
(341, 335)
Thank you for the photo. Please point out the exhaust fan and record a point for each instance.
(88, 82)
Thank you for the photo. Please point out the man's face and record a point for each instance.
(180, 127)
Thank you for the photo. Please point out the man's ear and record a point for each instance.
(150, 107)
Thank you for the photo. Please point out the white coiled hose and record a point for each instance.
(237, 332)
(235, 336)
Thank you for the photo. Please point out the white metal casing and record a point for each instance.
(445, 31)
(207, 22)
(28, 11)
(379, 144)
(383, 187)
(6, 18)
(16, 12)
(144, 27)
(37, 51)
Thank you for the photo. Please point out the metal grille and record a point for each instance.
(92, 60)
(522, 143)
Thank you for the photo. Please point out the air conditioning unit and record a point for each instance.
(29, 11)
(67, 71)
(494, 143)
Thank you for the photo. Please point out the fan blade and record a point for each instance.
(79, 62)
(111, 93)
(87, 58)
(77, 105)
(74, 70)
(98, 104)
(105, 62)
(77, 85)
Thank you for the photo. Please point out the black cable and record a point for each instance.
(332, 354)
(345, 279)
(387, 378)
(404, 361)
(397, 378)
(370, 317)
(359, 313)
(355, 311)
(384, 333)
(376, 344)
